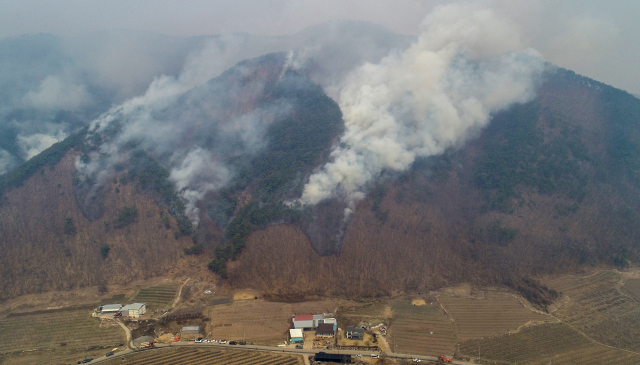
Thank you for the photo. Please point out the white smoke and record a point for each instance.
(6, 161)
(196, 174)
(32, 145)
(466, 64)
(54, 93)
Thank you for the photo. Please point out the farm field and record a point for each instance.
(156, 297)
(207, 357)
(42, 335)
(492, 314)
(537, 345)
(599, 309)
(262, 322)
(632, 287)
(423, 330)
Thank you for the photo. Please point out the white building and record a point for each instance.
(296, 335)
(111, 308)
(134, 310)
(303, 321)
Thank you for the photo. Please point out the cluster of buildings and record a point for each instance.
(134, 310)
(324, 325)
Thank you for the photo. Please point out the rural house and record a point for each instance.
(354, 333)
(325, 330)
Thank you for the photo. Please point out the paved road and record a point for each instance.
(273, 349)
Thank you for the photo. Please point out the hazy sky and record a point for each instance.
(596, 38)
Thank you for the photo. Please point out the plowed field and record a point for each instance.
(540, 344)
(599, 309)
(207, 357)
(421, 330)
(495, 313)
(157, 297)
(42, 335)
(259, 321)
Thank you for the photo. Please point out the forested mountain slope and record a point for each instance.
(548, 187)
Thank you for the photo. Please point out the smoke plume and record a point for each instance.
(466, 64)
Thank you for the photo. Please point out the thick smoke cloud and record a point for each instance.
(192, 126)
(465, 65)
(179, 119)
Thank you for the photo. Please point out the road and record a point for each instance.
(273, 349)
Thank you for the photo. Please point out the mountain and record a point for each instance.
(51, 86)
(549, 187)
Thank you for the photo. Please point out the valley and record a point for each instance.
(466, 321)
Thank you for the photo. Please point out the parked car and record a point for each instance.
(375, 356)
(223, 341)
(298, 346)
(242, 343)
(109, 354)
(233, 343)
(358, 355)
(416, 360)
(198, 340)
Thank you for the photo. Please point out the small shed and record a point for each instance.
(110, 308)
(303, 321)
(325, 330)
(296, 335)
(190, 330)
(134, 310)
(354, 333)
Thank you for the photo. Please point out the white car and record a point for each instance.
(198, 340)
(214, 340)
(358, 355)
(223, 341)
(416, 360)
(375, 356)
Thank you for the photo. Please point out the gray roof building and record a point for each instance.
(353, 332)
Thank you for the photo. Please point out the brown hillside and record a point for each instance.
(39, 256)
(431, 227)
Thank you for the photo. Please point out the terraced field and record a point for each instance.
(495, 313)
(207, 357)
(538, 345)
(599, 309)
(157, 297)
(421, 330)
(42, 335)
(632, 287)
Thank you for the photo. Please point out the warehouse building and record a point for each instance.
(134, 310)
(303, 321)
(296, 335)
